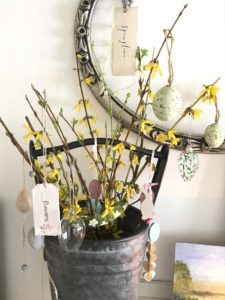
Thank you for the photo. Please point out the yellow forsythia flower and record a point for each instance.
(85, 119)
(161, 137)
(89, 80)
(80, 135)
(151, 94)
(119, 147)
(195, 113)
(109, 208)
(29, 134)
(119, 186)
(93, 166)
(135, 160)
(133, 148)
(174, 141)
(50, 159)
(37, 134)
(66, 212)
(76, 181)
(53, 175)
(170, 134)
(141, 108)
(210, 93)
(79, 106)
(93, 119)
(81, 103)
(109, 159)
(172, 138)
(39, 166)
(146, 126)
(80, 197)
(77, 208)
(130, 192)
(96, 132)
(121, 164)
(59, 156)
(155, 69)
(63, 192)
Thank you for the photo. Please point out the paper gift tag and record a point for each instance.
(124, 41)
(147, 208)
(45, 198)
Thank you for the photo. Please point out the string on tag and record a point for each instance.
(24, 266)
(42, 278)
(72, 190)
(151, 173)
(126, 4)
(189, 127)
(44, 142)
(95, 149)
(24, 177)
(168, 36)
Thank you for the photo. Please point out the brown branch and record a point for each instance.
(20, 149)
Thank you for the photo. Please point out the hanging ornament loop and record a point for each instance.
(126, 4)
(43, 143)
(217, 115)
(169, 46)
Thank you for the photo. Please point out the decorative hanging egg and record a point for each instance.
(24, 267)
(72, 235)
(214, 135)
(167, 103)
(188, 164)
(95, 189)
(35, 241)
(96, 205)
(23, 201)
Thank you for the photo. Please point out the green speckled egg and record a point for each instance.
(214, 135)
(167, 103)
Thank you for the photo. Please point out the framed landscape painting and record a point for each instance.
(199, 272)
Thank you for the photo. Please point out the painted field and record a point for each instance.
(207, 290)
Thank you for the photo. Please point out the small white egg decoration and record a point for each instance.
(214, 135)
(35, 241)
(167, 103)
(23, 201)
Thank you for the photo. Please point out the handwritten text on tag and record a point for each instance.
(45, 198)
(124, 41)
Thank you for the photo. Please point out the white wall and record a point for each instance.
(37, 46)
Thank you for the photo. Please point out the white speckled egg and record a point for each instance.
(167, 103)
(214, 135)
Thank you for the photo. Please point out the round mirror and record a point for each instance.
(197, 57)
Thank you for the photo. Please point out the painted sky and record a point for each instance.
(206, 263)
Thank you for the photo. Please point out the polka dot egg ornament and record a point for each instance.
(167, 103)
(188, 164)
(214, 135)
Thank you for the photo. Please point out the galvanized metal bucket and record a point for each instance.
(101, 269)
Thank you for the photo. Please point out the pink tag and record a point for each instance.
(46, 213)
